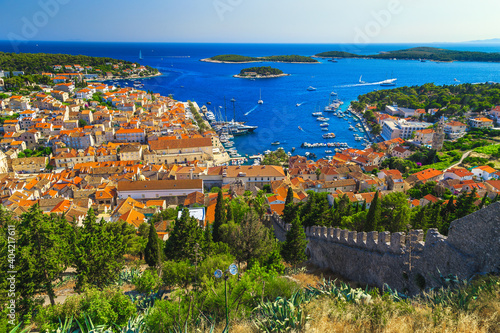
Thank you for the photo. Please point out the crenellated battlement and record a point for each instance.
(398, 259)
(396, 243)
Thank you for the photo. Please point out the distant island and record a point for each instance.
(263, 72)
(235, 58)
(420, 53)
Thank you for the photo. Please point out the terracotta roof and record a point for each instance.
(248, 170)
(153, 185)
(431, 198)
(133, 217)
(486, 168)
(195, 197)
(427, 174)
(181, 143)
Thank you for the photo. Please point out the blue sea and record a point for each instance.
(187, 78)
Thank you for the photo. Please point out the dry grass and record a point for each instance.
(378, 317)
(385, 316)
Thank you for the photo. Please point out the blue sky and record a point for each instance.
(264, 21)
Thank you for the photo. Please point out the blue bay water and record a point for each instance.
(278, 118)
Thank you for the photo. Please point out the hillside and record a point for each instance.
(416, 53)
(34, 63)
(235, 58)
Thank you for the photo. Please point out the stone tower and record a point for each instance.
(438, 138)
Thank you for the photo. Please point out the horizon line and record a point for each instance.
(486, 41)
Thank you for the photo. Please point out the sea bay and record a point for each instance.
(278, 118)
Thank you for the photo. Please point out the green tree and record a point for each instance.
(220, 217)
(318, 173)
(152, 251)
(82, 123)
(373, 217)
(294, 247)
(259, 205)
(185, 235)
(42, 245)
(395, 212)
(289, 196)
(98, 254)
(249, 240)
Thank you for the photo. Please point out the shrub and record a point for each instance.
(106, 307)
(147, 282)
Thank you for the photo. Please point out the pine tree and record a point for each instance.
(98, 254)
(220, 217)
(373, 217)
(293, 249)
(42, 256)
(186, 233)
(152, 251)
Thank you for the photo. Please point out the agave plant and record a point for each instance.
(128, 276)
(18, 329)
(343, 292)
(135, 324)
(281, 315)
(145, 302)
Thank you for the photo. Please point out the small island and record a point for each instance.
(235, 58)
(420, 53)
(263, 72)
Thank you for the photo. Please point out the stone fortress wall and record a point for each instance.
(406, 262)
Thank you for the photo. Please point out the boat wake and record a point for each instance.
(362, 84)
(255, 107)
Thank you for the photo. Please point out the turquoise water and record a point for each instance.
(278, 118)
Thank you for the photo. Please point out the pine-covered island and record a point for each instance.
(262, 72)
(420, 53)
(235, 58)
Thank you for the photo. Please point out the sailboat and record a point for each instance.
(140, 55)
(361, 81)
(260, 101)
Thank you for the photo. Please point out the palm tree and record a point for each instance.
(259, 205)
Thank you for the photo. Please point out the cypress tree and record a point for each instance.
(363, 208)
(293, 249)
(373, 216)
(484, 200)
(289, 196)
(450, 206)
(152, 251)
(229, 211)
(220, 217)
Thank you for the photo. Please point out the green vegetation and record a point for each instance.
(262, 71)
(35, 63)
(278, 157)
(338, 54)
(416, 53)
(390, 213)
(279, 58)
(454, 100)
(199, 120)
(40, 151)
(259, 298)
